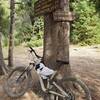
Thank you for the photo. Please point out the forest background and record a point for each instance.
(85, 30)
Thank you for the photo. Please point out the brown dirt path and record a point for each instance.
(85, 63)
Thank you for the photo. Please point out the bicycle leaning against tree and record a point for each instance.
(69, 88)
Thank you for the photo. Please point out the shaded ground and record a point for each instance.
(85, 62)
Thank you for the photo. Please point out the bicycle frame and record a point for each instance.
(45, 89)
(48, 89)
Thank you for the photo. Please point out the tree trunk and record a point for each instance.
(3, 68)
(2, 64)
(56, 42)
(11, 31)
(50, 41)
(63, 48)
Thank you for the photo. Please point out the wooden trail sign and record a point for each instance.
(63, 16)
(42, 7)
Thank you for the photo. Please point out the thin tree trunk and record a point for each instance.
(3, 67)
(11, 33)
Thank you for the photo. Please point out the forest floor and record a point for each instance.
(85, 63)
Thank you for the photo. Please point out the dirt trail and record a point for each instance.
(85, 63)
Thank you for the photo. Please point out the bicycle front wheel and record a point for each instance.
(16, 86)
(76, 87)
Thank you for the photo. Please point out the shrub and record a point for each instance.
(85, 29)
(35, 43)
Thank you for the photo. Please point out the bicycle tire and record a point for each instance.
(73, 80)
(8, 84)
(55, 97)
(81, 84)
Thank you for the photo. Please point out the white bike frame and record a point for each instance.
(48, 89)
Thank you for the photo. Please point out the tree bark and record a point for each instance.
(56, 42)
(50, 41)
(3, 68)
(11, 31)
(63, 48)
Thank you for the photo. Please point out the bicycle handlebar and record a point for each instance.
(32, 50)
(58, 61)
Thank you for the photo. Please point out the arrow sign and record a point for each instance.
(42, 7)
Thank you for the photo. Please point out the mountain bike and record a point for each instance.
(69, 88)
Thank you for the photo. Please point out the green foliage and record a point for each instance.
(35, 42)
(25, 31)
(4, 20)
(85, 29)
(38, 27)
(4, 14)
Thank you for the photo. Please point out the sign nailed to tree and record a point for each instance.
(45, 6)
(63, 16)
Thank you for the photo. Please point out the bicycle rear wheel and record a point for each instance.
(77, 87)
(15, 86)
(55, 97)
(74, 88)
